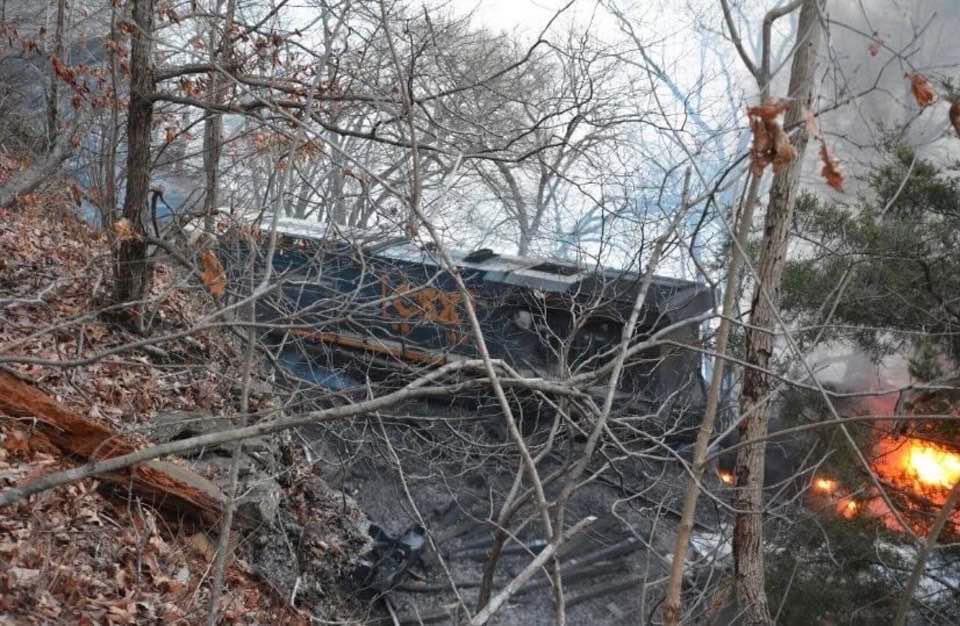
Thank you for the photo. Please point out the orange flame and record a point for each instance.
(726, 477)
(826, 485)
(914, 463)
(849, 509)
(925, 469)
(933, 466)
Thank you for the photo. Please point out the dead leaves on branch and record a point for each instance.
(213, 275)
(831, 171)
(926, 95)
(770, 110)
(771, 145)
(922, 90)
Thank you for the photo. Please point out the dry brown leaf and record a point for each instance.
(831, 171)
(123, 230)
(123, 613)
(202, 545)
(167, 584)
(17, 443)
(922, 90)
(762, 143)
(770, 143)
(783, 151)
(770, 109)
(213, 275)
(955, 116)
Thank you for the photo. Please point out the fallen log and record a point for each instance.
(167, 486)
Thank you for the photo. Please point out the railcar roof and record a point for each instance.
(548, 275)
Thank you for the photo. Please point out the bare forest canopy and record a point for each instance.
(586, 311)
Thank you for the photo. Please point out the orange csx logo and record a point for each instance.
(428, 304)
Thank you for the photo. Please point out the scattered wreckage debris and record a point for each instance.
(590, 573)
(390, 558)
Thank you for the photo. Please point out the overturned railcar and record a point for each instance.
(391, 302)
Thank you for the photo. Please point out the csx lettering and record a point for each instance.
(428, 304)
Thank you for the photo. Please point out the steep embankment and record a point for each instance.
(85, 554)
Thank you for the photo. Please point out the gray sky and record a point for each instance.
(528, 17)
(509, 15)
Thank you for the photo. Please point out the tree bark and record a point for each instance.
(221, 52)
(173, 488)
(108, 200)
(754, 400)
(131, 267)
(672, 610)
(672, 607)
(53, 105)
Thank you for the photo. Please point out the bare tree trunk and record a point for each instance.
(108, 202)
(53, 105)
(754, 400)
(336, 202)
(672, 611)
(221, 51)
(131, 268)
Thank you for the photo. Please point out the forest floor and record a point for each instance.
(81, 554)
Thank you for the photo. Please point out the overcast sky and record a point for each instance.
(528, 17)
(509, 15)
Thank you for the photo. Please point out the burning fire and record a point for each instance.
(849, 509)
(922, 466)
(826, 485)
(925, 470)
(845, 505)
(726, 477)
(933, 466)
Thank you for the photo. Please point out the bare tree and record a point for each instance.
(221, 54)
(53, 104)
(749, 472)
(132, 271)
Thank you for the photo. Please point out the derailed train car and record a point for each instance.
(389, 301)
